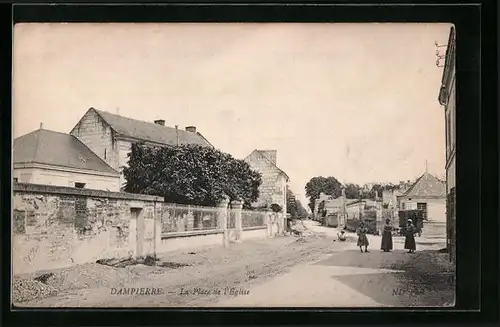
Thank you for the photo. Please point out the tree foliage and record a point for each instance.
(190, 174)
(276, 207)
(294, 207)
(291, 202)
(352, 191)
(301, 211)
(376, 191)
(321, 209)
(316, 185)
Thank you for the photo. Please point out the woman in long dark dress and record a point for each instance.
(410, 237)
(362, 239)
(386, 245)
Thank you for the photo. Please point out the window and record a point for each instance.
(452, 127)
(403, 206)
(448, 133)
(450, 223)
(423, 208)
(104, 153)
(79, 185)
(15, 179)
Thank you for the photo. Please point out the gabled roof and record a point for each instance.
(271, 162)
(145, 131)
(427, 186)
(57, 149)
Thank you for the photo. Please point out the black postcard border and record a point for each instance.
(477, 160)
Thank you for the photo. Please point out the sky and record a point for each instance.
(355, 101)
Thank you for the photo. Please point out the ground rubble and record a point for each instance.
(240, 263)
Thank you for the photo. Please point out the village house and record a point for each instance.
(447, 99)
(428, 194)
(111, 136)
(390, 196)
(274, 180)
(53, 158)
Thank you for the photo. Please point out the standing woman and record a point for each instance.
(387, 236)
(362, 239)
(410, 237)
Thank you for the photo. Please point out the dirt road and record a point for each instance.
(222, 272)
(283, 271)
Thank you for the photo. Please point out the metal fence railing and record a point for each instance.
(252, 218)
(182, 218)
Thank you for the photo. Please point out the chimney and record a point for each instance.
(41, 125)
(191, 129)
(160, 122)
(270, 154)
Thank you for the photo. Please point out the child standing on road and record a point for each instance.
(362, 239)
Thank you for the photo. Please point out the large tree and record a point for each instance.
(352, 191)
(190, 174)
(316, 185)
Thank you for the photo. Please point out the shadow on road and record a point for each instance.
(425, 278)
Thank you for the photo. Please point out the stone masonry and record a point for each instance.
(61, 226)
(98, 136)
(273, 187)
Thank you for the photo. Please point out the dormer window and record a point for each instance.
(79, 185)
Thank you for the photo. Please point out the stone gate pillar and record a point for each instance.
(281, 223)
(237, 207)
(222, 220)
(269, 222)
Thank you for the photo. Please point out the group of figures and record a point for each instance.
(386, 244)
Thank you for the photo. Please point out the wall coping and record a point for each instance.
(191, 233)
(169, 235)
(62, 190)
(254, 228)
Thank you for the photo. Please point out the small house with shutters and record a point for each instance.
(111, 136)
(428, 194)
(53, 158)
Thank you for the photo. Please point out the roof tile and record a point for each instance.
(427, 185)
(58, 149)
(151, 132)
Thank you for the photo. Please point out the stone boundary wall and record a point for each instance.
(56, 227)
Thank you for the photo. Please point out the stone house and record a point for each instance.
(428, 194)
(274, 180)
(389, 198)
(58, 159)
(111, 136)
(447, 99)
